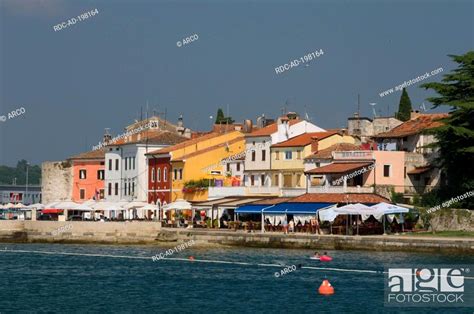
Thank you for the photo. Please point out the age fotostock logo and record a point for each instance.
(428, 286)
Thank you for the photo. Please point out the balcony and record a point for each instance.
(341, 189)
(353, 155)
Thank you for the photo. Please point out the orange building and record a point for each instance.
(88, 173)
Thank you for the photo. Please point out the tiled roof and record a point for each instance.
(184, 144)
(211, 148)
(304, 139)
(154, 137)
(93, 154)
(339, 167)
(327, 152)
(414, 126)
(270, 129)
(364, 198)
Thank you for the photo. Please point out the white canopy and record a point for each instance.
(178, 205)
(149, 207)
(65, 205)
(327, 214)
(19, 205)
(36, 206)
(82, 207)
(134, 204)
(107, 206)
(9, 205)
(388, 209)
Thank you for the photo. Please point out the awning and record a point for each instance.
(339, 167)
(250, 209)
(296, 208)
(52, 211)
(419, 170)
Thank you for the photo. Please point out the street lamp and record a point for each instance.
(26, 187)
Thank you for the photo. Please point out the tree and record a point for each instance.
(404, 107)
(221, 119)
(455, 138)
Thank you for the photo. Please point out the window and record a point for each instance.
(252, 180)
(180, 174)
(238, 166)
(405, 172)
(130, 163)
(263, 155)
(159, 175)
(102, 163)
(83, 194)
(110, 189)
(262, 180)
(126, 159)
(133, 188)
(165, 174)
(116, 164)
(276, 181)
(100, 174)
(101, 194)
(129, 188)
(228, 167)
(152, 174)
(386, 170)
(298, 180)
(133, 163)
(288, 155)
(298, 154)
(175, 174)
(116, 188)
(277, 155)
(82, 174)
(253, 155)
(125, 188)
(110, 164)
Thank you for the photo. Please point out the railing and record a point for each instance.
(290, 192)
(353, 155)
(341, 189)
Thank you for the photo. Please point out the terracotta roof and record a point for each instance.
(184, 144)
(93, 154)
(419, 170)
(165, 138)
(211, 148)
(414, 126)
(339, 167)
(304, 139)
(270, 129)
(327, 152)
(340, 198)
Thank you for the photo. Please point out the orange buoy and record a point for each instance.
(191, 258)
(326, 288)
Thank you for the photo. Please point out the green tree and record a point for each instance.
(221, 119)
(8, 174)
(404, 107)
(456, 135)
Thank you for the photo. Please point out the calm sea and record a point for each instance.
(110, 279)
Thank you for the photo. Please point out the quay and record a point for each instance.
(151, 233)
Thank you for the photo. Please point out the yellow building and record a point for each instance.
(195, 162)
(287, 158)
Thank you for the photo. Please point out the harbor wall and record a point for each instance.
(151, 233)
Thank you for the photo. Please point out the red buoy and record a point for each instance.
(326, 288)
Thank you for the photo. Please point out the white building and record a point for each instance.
(126, 167)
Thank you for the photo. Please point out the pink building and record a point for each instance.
(88, 175)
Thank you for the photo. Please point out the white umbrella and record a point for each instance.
(388, 209)
(90, 202)
(9, 205)
(178, 205)
(19, 205)
(65, 205)
(149, 207)
(135, 204)
(36, 206)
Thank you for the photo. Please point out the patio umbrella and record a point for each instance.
(19, 205)
(180, 204)
(82, 207)
(65, 205)
(9, 205)
(35, 206)
(387, 209)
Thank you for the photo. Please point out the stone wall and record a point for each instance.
(56, 178)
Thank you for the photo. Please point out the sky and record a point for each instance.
(75, 82)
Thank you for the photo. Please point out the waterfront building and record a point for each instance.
(15, 194)
(184, 171)
(88, 175)
(126, 166)
(257, 166)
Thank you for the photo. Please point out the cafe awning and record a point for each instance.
(250, 209)
(339, 167)
(296, 208)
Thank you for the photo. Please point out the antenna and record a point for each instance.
(358, 113)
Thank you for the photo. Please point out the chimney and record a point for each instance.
(248, 126)
(314, 144)
(414, 114)
(283, 129)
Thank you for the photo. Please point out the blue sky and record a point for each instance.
(97, 74)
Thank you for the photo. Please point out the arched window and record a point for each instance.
(165, 174)
(152, 174)
(159, 175)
